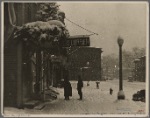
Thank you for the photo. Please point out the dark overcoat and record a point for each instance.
(67, 89)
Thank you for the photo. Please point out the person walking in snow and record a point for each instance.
(67, 89)
(97, 84)
(111, 91)
(79, 87)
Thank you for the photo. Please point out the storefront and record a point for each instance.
(27, 73)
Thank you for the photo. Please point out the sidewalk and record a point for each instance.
(95, 101)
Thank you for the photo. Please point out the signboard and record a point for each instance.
(78, 41)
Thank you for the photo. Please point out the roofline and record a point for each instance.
(90, 47)
(78, 36)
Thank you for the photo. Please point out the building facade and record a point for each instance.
(26, 74)
(17, 67)
(140, 69)
(85, 61)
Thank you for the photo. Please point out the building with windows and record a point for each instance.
(140, 69)
(85, 61)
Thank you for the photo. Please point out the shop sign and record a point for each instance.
(78, 41)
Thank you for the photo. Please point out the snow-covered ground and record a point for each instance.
(95, 101)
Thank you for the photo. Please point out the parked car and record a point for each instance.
(139, 96)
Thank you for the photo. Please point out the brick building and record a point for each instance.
(140, 69)
(85, 61)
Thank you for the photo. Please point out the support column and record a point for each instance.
(48, 74)
(52, 76)
(19, 76)
(38, 71)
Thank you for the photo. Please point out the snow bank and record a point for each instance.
(97, 102)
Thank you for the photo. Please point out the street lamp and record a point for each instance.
(120, 93)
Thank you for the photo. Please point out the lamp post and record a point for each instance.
(120, 93)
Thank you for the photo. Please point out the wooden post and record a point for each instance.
(52, 79)
(19, 62)
(19, 76)
(48, 74)
(43, 80)
(38, 71)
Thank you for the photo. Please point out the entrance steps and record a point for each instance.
(39, 107)
(48, 96)
(31, 104)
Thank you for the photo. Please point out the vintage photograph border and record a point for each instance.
(59, 115)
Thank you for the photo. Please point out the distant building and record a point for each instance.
(140, 69)
(85, 61)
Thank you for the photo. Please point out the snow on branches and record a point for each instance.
(50, 11)
(36, 33)
(48, 31)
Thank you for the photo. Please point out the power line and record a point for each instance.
(81, 27)
(74, 51)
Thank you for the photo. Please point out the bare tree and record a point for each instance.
(127, 59)
(138, 52)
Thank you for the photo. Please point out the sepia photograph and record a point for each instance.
(74, 59)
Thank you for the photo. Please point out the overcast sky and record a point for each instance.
(109, 20)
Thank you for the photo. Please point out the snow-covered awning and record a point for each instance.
(42, 33)
(45, 24)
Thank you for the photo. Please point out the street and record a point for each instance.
(95, 101)
(50, 45)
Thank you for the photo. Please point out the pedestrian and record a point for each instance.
(67, 89)
(97, 84)
(111, 91)
(79, 87)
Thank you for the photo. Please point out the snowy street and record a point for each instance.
(95, 101)
(60, 60)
